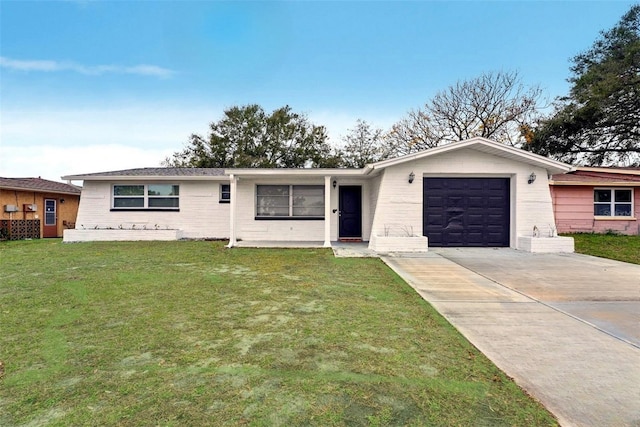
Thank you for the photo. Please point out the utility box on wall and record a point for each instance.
(29, 207)
(10, 208)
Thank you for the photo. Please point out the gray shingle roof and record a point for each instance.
(38, 184)
(156, 172)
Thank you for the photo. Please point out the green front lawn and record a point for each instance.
(614, 246)
(191, 333)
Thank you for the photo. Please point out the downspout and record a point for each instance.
(232, 210)
(327, 212)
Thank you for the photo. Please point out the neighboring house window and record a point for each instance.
(146, 196)
(225, 193)
(290, 201)
(612, 202)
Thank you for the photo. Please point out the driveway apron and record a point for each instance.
(565, 327)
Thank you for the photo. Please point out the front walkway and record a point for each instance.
(585, 374)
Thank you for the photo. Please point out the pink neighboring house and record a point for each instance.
(597, 199)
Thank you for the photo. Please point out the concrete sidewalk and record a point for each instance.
(582, 374)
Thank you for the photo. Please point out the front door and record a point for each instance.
(350, 208)
(50, 228)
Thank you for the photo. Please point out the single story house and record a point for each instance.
(475, 192)
(597, 200)
(34, 207)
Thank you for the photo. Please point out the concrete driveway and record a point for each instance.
(566, 327)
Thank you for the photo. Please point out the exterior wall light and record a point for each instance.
(411, 177)
(532, 178)
(335, 183)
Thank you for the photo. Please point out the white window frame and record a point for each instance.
(612, 203)
(145, 196)
(291, 202)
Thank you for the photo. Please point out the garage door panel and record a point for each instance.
(494, 220)
(436, 238)
(451, 236)
(466, 211)
(435, 201)
(475, 185)
(477, 220)
(436, 220)
(454, 218)
(476, 202)
(455, 201)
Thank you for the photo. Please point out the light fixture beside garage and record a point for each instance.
(532, 178)
(411, 177)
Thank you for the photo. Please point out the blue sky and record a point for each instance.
(89, 86)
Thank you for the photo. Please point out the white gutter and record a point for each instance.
(248, 172)
(146, 178)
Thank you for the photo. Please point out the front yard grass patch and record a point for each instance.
(613, 246)
(191, 333)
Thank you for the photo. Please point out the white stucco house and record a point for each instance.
(469, 193)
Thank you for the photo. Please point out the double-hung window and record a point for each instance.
(290, 202)
(225, 193)
(613, 202)
(146, 196)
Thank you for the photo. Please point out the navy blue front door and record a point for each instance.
(350, 208)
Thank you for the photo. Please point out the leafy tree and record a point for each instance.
(598, 123)
(496, 105)
(362, 145)
(249, 137)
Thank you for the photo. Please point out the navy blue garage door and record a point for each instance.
(466, 211)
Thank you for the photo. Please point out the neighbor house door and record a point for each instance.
(50, 228)
(350, 208)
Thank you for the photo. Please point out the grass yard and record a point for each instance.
(191, 333)
(613, 246)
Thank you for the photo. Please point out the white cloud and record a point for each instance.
(148, 126)
(51, 162)
(53, 66)
(52, 143)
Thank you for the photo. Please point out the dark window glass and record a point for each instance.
(225, 191)
(163, 190)
(272, 200)
(129, 202)
(623, 196)
(128, 190)
(164, 202)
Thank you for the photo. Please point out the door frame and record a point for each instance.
(50, 230)
(342, 190)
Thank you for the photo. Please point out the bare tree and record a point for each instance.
(362, 145)
(496, 105)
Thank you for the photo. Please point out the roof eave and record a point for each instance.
(41, 190)
(595, 183)
(145, 178)
(302, 172)
(552, 166)
(612, 170)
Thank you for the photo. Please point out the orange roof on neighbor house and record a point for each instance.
(38, 185)
(629, 176)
